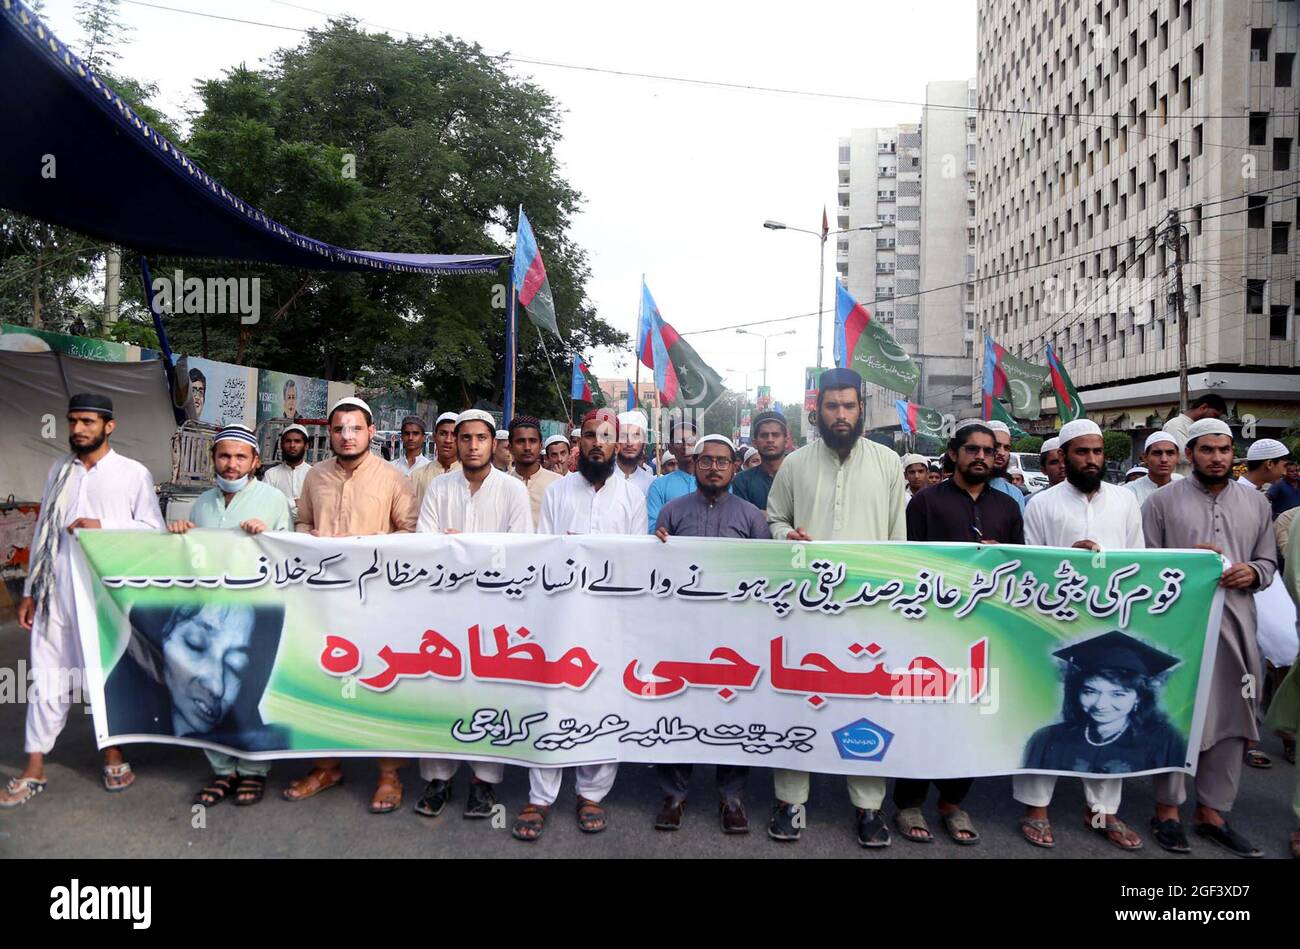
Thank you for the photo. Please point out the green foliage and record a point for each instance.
(1117, 445)
(928, 445)
(445, 146)
(1029, 444)
(134, 332)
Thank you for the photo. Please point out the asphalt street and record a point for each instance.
(76, 818)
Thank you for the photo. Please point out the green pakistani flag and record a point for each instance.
(918, 419)
(1000, 414)
(866, 347)
(697, 385)
(1025, 383)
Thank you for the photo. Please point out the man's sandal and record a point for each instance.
(250, 789)
(1257, 759)
(388, 793)
(911, 824)
(530, 823)
(591, 816)
(958, 822)
(1042, 831)
(218, 788)
(1116, 831)
(21, 790)
(118, 777)
(318, 780)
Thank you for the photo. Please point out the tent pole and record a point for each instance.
(169, 370)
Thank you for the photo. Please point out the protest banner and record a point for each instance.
(915, 660)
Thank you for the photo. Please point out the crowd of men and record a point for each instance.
(839, 487)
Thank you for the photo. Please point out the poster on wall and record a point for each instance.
(221, 393)
(282, 395)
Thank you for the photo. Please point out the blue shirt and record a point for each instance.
(1010, 490)
(753, 486)
(663, 489)
(1283, 496)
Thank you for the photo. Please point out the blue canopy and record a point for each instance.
(116, 178)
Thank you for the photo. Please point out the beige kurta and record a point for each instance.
(1239, 522)
(537, 485)
(371, 499)
(862, 498)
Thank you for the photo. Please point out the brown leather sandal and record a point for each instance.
(388, 793)
(319, 779)
(591, 816)
(530, 823)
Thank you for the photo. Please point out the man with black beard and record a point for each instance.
(1212, 511)
(998, 479)
(92, 488)
(288, 476)
(962, 509)
(838, 487)
(631, 450)
(711, 511)
(591, 501)
(1085, 512)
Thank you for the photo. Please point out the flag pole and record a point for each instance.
(508, 399)
(554, 378)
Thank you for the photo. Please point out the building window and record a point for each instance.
(1194, 306)
(1258, 128)
(1281, 154)
(844, 154)
(1255, 296)
(1259, 45)
(1255, 205)
(1281, 231)
(1277, 322)
(1282, 68)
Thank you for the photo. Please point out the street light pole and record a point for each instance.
(821, 265)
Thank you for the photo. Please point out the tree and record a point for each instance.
(1117, 445)
(1029, 445)
(417, 145)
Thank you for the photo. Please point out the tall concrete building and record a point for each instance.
(918, 181)
(1098, 121)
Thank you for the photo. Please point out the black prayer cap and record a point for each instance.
(768, 416)
(839, 379)
(1116, 650)
(91, 402)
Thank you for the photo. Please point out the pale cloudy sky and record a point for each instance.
(677, 179)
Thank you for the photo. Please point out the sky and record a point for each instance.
(677, 179)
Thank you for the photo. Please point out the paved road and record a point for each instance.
(76, 818)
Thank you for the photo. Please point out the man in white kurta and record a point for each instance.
(412, 458)
(1082, 511)
(476, 498)
(288, 476)
(593, 500)
(92, 488)
(1209, 405)
(838, 487)
(1160, 458)
(631, 450)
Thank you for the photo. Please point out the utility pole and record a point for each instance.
(1174, 235)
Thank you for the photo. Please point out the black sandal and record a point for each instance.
(591, 816)
(220, 787)
(530, 823)
(250, 789)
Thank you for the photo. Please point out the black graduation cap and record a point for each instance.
(1117, 650)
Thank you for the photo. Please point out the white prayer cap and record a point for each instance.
(634, 418)
(1080, 426)
(445, 417)
(295, 427)
(555, 440)
(502, 434)
(476, 415)
(351, 402)
(1012, 471)
(1052, 444)
(968, 422)
(1208, 426)
(748, 452)
(1266, 449)
(914, 459)
(1136, 469)
(668, 456)
(576, 433)
(1156, 438)
(704, 439)
(995, 426)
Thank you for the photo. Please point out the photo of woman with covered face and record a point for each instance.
(198, 671)
(1112, 722)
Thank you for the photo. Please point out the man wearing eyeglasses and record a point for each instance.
(709, 511)
(960, 509)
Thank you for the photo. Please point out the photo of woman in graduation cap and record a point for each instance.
(198, 671)
(1112, 719)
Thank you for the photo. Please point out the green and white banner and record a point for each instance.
(920, 660)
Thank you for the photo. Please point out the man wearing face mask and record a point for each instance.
(238, 501)
(91, 488)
